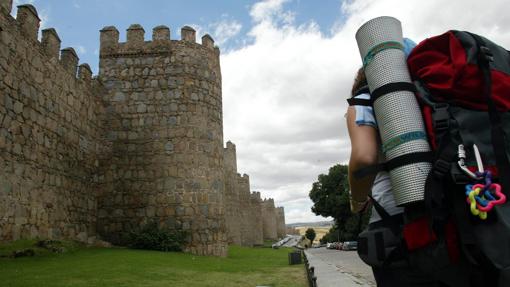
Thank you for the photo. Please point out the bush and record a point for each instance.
(151, 237)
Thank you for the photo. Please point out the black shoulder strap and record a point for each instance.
(380, 210)
(362, 90)
(379, 92)
(359, 102)
(498, 136)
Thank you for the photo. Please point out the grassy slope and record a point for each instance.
(125, 267)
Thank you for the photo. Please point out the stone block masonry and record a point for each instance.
(85, 157)
(164, 119)
(269, 219)
(51, 134)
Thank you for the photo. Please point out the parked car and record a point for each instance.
(334, 245)
(350, 245)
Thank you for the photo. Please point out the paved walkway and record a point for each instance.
(335, 268)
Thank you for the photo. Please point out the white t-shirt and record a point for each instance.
(381, 189)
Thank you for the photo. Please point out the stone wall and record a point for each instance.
(50, 134)
(232, 203)
(255, 219)
(82, 157)
(280, 222)
(269, 219)
(167, 134)
(243, 186)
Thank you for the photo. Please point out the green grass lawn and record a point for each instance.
(125, 267)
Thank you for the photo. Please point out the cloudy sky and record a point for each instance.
(287, 68)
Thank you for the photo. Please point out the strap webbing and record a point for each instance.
(359, 102)
(410, 158)
(392, 87)
(497, 132)
(380, 210)
(399, 161)
(362, 90)
(379, 92)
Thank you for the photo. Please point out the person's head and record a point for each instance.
(359, 82)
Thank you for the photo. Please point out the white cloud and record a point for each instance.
(221, 30)
(80, 49)
(271, 10)
(284, 93)
(224, 30)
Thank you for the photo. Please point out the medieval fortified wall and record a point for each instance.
(88, 158)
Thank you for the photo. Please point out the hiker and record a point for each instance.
(365, 152)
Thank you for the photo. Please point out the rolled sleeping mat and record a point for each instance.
(396, 109)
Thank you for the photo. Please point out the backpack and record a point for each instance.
(462, 82)
(463, 86)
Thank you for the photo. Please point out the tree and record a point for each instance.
(310, 234)
(330, 195)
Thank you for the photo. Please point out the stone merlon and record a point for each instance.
(188, 34)
(29, 21)
(109, 39)
(208, 41)
(6, 5)
(135, 35)
(84, 73)
(161, 33)
(51, 42)
(69, 60)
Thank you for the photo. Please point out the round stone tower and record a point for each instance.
(164, 117)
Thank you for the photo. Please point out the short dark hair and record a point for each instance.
(359, 82)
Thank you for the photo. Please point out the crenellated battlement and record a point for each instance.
(244, 179)
(61, 113)
(26, 25)
(160, 42)
(255, 196)
(268, 202)
(145, 137)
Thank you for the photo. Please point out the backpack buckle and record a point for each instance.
(487, 54)
(441, 167)
(441, 117)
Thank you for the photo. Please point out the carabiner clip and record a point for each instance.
(462, 163)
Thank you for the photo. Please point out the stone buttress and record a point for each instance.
(164, 117)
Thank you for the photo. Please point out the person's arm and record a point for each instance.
(364, 153)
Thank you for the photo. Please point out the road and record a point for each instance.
(339, 268)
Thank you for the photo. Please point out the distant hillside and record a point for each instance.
(312, 224)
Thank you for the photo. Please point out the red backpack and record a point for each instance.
(463, 86)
